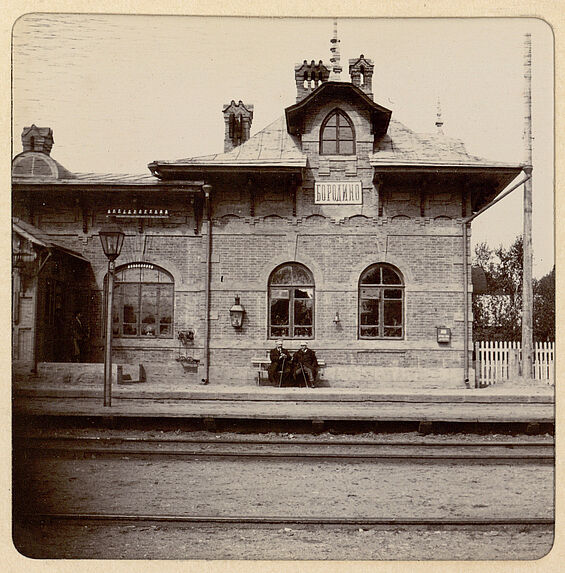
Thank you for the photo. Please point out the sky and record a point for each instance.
(120, 91)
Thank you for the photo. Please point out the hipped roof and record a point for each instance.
(402, 146)
(272, 147)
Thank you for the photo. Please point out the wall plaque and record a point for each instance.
(338, 193)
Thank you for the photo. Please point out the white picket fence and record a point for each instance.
(499, 360)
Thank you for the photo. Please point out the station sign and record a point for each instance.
(338, 193)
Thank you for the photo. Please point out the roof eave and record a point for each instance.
(114, 185)
(168, 171)
(444, 166)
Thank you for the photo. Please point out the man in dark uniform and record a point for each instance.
(305, 365)
(280, 364)
(80, 335)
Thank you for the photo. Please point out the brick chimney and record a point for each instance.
(37, 139)
(308, 77)
(238, 118)
(361, 72)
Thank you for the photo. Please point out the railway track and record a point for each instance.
(95, 446)
(115, 518)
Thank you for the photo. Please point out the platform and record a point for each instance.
(507, 403)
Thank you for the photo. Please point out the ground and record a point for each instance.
(280, 488)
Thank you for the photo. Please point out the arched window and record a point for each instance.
(337, 136)
(143, 301)
(381, 303)
(291, 302)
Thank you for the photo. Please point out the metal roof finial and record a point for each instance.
(335, 56)
(439, 121)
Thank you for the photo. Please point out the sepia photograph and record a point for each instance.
(282, 288)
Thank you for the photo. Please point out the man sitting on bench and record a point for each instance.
(279, 369)
(305, 365)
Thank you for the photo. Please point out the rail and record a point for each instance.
(284, 520)
(495, 452)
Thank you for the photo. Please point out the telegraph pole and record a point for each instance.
(527, 287)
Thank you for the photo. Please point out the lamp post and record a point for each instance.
(112, 239)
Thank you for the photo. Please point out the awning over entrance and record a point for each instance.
(38, 237)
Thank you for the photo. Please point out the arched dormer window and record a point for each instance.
(143, 301)
(337, 136)
(381, 302)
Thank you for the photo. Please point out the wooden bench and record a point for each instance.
(262, 363)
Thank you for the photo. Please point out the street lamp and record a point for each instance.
(112, 239)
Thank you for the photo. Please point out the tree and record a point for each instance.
(497, 314)
(544, 308)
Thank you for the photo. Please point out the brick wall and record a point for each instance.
(255, 229)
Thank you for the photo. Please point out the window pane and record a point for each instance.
(390, 277)
(279, 312)
(165, 311)
(345, 133)
(370, 293)
(149, 275)
(302, 312)
(303, 332)
(372, 276)
(394, 332)
(282, 276)
(346, 147)
(332, 121)
(303, 293)
(148, 308)
(371, 332)
(330, 134)
(280, 293)
(329, 147)
(130, 308)
(116, 306)
(393, 312)
(393, 293)
(128, 275)
(369, 314)
(279, 331)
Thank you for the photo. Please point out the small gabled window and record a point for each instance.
(337, 136)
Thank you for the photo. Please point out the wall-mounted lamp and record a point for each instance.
(236, 314)
(337, 320)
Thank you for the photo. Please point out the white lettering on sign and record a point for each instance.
(338, 193)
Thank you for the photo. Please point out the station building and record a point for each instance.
(335, 224)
